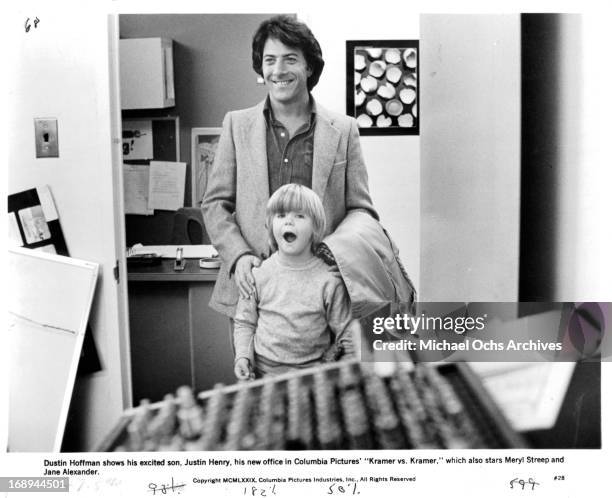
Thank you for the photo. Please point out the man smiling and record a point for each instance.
(288, 138)
(286, 73)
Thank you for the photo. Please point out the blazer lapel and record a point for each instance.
(255, 138)
(326, 138)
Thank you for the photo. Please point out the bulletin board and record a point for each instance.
(48, 306)
(156, 228)
(146, 139)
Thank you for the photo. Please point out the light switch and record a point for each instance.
(45, 135)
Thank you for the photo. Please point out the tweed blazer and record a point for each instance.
(235, 201)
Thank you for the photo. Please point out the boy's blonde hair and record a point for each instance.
(294, 197)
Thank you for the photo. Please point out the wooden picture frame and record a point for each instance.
(382, 86)
(204, 143)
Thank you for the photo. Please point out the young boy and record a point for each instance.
(300, 311)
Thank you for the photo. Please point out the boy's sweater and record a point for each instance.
(290, 318)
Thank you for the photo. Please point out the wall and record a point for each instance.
(393, 162)
(61, 69)
(593, 202)
(550, 157)
(470, 194)
(470, 169)
(212, 67)
(576, 192)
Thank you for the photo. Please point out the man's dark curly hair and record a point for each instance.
(294, 34)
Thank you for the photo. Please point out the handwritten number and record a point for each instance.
(166, 487)
(333, 488)
(255, 491)
(522, 483)
(28, 25)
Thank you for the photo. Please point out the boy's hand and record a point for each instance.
(243, 274)
(242, 369)
(331, 354)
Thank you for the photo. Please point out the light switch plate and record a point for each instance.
(45, 135)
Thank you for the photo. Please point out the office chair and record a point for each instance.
(189, 227)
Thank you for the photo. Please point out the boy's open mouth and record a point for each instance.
(289, 236)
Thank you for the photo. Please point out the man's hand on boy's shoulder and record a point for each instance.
(335, 271)
(243, 274)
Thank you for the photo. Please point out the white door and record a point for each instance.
(61, 68)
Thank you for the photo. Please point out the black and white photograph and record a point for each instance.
(382, 86)
(374, 260)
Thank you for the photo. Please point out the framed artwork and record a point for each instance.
(204, 142)
(33, 221)
(382, 86)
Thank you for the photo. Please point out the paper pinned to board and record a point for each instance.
(529, 394)
(35, 226)
(136, 189)
(169, 252)
(166, 185)
(137, 139)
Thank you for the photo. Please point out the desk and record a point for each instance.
(176, 339)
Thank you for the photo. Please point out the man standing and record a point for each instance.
(288, 138)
